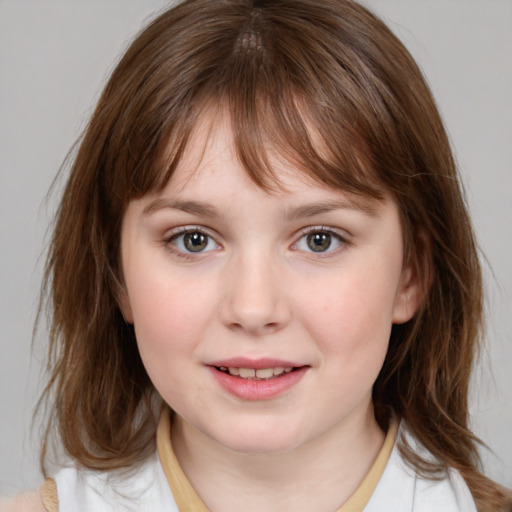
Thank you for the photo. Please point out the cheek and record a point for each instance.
(352, 318)
(169, 316)
(170, 319)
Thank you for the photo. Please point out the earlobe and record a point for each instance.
(409, 297)
(125, 306)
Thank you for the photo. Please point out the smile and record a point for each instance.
(257, 379)
(255, 374)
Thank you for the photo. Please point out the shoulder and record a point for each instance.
(401, 488)
(142, 489)
(26, 502)
(447, 493)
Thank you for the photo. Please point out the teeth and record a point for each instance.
(265, 373)
(251, 373)
(246, 373)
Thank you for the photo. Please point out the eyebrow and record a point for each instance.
(194, 207)
(303, 211)
(311, 210)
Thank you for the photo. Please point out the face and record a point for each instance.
(262, 319)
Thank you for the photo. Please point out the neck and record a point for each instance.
(319, 475)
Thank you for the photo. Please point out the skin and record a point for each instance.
(257, 289)
(27, 502)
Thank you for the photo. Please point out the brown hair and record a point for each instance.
(282, 69)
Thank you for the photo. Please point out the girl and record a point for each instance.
(263, 279)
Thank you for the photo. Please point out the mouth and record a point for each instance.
(256, 373)
(257, 379)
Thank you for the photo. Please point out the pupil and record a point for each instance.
(195, 242)
(319, 242)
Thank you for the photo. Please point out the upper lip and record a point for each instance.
(257, 364)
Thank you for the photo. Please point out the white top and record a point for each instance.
(400, 489)
(145, 490)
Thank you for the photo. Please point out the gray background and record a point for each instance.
(54, 58)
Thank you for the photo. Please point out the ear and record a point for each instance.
(124, 304)
(409, 296)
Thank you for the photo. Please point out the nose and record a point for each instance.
(255, 299)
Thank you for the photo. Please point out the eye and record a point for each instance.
(319, 241)
(192, 241)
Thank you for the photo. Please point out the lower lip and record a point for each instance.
(249, 389)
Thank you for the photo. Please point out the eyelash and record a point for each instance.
(314, 230)
(170, 240)
(180, 232)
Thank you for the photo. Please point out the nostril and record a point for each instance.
(267, 328)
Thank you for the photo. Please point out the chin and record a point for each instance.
(262, 439)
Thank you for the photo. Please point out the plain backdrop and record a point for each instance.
(55, 56)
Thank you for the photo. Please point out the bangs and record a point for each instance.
(279, 129)
(286, 97)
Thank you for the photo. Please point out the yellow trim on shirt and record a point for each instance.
(188, 500)
(184, 494)
(49, 497)
(363, 493)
